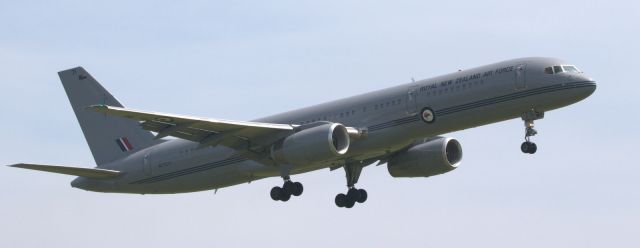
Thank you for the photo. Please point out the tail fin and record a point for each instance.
(109, 138)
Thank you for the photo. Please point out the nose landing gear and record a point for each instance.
(528, 118)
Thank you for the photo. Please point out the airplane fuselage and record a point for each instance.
(391, 119)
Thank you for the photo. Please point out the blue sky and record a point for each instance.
(248, 59)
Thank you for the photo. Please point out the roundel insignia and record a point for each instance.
(427, 115)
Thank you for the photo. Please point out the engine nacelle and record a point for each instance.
(431, 158)
(315, 144)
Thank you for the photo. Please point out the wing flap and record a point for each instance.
(73, 171)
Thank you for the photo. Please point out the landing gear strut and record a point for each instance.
(353, 195)
(528, 118)
(288, 189)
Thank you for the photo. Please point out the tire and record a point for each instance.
(353, 195)
(276, 193)
(349, 203)
(285, 197)
(289, 187)
(533, 148)
(341, 200)
(298, 189)
(524, 147)
(363, 196)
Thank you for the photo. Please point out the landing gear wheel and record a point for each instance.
(298, 189)
(353, 195)
(533, 148)
(529, 147)
(363, 196)
(285, 197)
(349, 203)
(341, 200)
(289, 187)
(524, 147)
(277, 193)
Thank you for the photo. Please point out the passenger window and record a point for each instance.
(557, 69)
(548, 70)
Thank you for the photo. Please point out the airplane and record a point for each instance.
(145, 152)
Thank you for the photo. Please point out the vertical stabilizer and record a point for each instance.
(109, 138)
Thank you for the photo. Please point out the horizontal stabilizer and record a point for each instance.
(74, 171)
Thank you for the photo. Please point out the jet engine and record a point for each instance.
(433, 157)
(314, 144)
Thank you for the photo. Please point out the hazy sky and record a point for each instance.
(254, 58)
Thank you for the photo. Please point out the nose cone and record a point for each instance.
(591, 88)
(582, 85)
(581, 89)
(589, 84)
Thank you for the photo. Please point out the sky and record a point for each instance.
(242, 60)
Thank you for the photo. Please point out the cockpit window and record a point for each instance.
(557, 69)
(561, 68)
(570, 68)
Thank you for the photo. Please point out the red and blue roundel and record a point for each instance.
(427, 115)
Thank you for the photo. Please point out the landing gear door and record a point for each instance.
(412, 101)
(521, 70)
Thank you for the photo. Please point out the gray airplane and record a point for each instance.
(399, 126)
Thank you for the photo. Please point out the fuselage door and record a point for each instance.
(412, 101)
(521, 70)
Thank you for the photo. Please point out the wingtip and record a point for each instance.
(19, 165)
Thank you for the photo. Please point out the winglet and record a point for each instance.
(74, 171)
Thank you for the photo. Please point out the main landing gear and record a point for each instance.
(353, 195)
(528, 118)
(288, 189)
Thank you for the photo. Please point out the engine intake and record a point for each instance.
(314, 144)
(430, 158)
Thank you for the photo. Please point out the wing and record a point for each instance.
(206, 131)
(74, 171)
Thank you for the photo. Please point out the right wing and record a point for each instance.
(74, 171)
